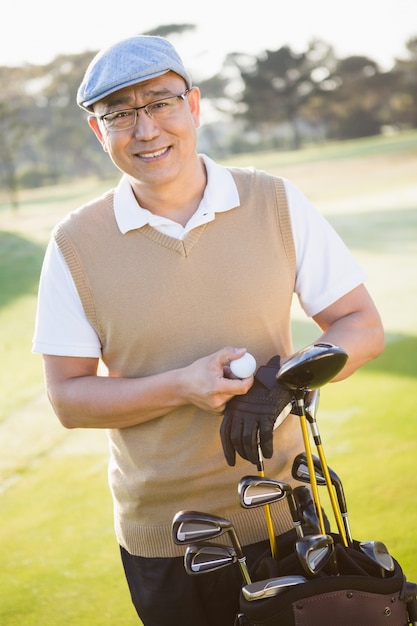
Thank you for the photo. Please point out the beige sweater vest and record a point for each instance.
(158, 303)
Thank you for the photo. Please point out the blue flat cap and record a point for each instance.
(128, 62)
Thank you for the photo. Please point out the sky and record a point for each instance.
(36, 31)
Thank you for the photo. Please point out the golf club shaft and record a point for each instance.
(347, 528)
(325, 470)
(240, 556)
(244, 570)
(266, 507)
(310, 465)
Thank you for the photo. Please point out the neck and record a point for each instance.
(177, 200)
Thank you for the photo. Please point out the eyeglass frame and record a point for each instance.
(102, 118)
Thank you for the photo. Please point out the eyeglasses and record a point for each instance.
(157, 110)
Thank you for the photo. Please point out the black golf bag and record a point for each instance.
(361, 594)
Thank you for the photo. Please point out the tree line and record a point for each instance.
(279, 99)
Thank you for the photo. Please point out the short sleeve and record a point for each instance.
(325, 268)
(61, 327)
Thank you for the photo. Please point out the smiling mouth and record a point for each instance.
(149, 156)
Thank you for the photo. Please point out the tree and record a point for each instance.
(403, 103)
(166, 30)
(250, 103)
(12, 130)
(354, 107)
(280, 83)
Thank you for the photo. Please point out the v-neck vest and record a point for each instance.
(159, 303)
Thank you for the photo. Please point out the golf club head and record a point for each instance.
(306, 508)
(378, 552)
(270, 587)
(194, 526)
(255, 491)
(312, 367)
(208, 557)
(260, 491)
(300, 472)
(300, 469)
(314, 551)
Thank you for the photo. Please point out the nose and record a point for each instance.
(145, 127)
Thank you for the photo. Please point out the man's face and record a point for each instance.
(153, 152)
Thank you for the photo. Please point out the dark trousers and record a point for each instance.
(163, 594)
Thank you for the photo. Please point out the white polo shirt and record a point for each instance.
(325, 268)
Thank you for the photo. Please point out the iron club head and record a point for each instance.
(194, 526)
(208, 557)
(378, 553)
(255, 491)
(306, 508)
(314, 551)
(300, 472)
(270, 587)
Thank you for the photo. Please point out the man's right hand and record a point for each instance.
(209, 383)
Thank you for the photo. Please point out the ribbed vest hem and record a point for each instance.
(156, 541)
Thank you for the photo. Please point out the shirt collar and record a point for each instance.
(220, 195)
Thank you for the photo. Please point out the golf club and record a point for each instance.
(309, 369)
(193, 526)
(378, 553)
(311, 418)
(300, 472)
(306, 508)
(375, 550)
(270, 587)
(208, 557)
(254, 492)
(267, 510)
(314, 551)
(312, 367)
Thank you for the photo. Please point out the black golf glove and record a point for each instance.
(251, 418)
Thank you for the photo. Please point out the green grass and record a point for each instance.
(60, 561)
(398, 144)
(20, 262)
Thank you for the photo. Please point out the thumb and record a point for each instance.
(229, 353)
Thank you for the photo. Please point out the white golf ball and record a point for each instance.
(243, 367)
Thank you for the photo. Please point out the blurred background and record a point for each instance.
(304, 75)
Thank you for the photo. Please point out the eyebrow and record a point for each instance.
(151, 94)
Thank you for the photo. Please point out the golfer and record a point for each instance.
(148, 293)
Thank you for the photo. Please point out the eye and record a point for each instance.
(159, 104)
(119, 115)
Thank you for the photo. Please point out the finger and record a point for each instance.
(266, 439)
(228, 449)
(227, 354)
(249, 443)
(235, 432)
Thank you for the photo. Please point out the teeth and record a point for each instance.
(151, 155)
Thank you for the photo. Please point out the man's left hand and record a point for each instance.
(249, 419)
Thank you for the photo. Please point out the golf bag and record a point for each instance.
(360, 595)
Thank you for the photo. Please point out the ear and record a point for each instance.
(194, 102)
(95, 127)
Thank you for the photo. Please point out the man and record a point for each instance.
(165, 280)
